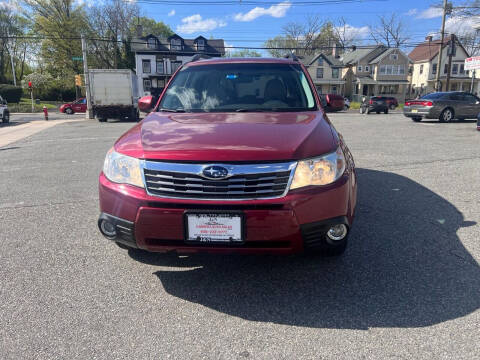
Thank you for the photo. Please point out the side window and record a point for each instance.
(470, 98)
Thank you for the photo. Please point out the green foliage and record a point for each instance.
(243, 53)
(38, 80)
(11, 93)
(150, 26)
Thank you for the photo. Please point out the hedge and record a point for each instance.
(55, 93)
(11, 93)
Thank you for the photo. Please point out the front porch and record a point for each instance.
(330, 86)
(367, 87)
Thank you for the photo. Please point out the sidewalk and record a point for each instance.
(17, 131)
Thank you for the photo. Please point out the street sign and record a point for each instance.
(77, 58)
(472, 63)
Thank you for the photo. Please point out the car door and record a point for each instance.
(459, 105)
(472, 106)
(78, 106)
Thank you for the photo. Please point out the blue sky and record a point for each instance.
(250, 25)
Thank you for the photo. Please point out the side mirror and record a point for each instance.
(146, 103)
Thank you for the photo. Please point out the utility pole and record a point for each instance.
(438, 86)
(89, 113)
(451, 52)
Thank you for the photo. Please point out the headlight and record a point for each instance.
(322, 170)
(122, 169)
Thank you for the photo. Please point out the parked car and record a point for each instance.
(78, 106)
(376, 104)
(444, 106)
(4, 113)
(478, 122)
(335, 102)
(220, 166)
(347, 103)
(391, 102)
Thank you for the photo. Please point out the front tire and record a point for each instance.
(386, 111)
(6, 117)
(446, 115)
(102, 120)
(68, 111)
(392, 107)
(417, 119)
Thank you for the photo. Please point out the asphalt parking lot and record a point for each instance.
(408, 286)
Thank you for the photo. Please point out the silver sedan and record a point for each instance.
(444, 106)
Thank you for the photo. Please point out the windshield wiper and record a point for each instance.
(252, 110)
(172, 110)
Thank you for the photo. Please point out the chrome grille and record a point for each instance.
(252, 181)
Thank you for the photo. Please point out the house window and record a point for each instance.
(320, 61)
(334, 89)
(445, 68)
(200, 44)
(389, 69)
(467, 72)
(160, 67)
(146, 67)
(147, 84)
(455, 69)
(434, 69)
(367, 68)
(175, 65)
(335, 73)
(359, 68)
(421, 69)
(176, 44)
(462, 68)
(152, 43)
(401, 69)
(383, 69)
(319, 73)
(453, 87)
(393, 56)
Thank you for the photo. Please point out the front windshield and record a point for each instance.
(239, 87)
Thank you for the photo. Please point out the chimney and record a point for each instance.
(334, 50)
(429, 38)
(139, 30)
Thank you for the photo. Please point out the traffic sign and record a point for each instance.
(77, 58)
(472, 63)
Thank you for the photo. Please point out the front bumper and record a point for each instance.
(281, 226)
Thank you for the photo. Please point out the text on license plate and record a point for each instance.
(414, 110)
(206, 227)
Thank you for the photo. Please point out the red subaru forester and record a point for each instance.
(236, 156)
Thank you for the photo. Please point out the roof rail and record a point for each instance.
(197, 57)
(292, 56)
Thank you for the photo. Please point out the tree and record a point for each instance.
(390, 31)
(150, 26)
(110, 23)
(346, 35)
(243, 53)
(61, 23)
(304, 38)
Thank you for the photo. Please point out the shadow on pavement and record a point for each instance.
(405, 267)
(14, 123)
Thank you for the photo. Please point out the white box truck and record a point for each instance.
(114, 94)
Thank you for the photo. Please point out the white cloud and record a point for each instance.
(462, 25)
(430, 13)
(277, 11)
(195, 23)
(411, 12)
(9, 5)
(352, 33)
(172, 12)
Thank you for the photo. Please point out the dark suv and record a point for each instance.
(237, 156)
(376, 104)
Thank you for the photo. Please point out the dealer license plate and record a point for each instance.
(414, 110)
(214, 227)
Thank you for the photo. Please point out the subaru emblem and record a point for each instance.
(215, 172)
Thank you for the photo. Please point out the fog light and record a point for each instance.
(108, 229)
(337, 232)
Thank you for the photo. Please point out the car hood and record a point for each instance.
(223, 137)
